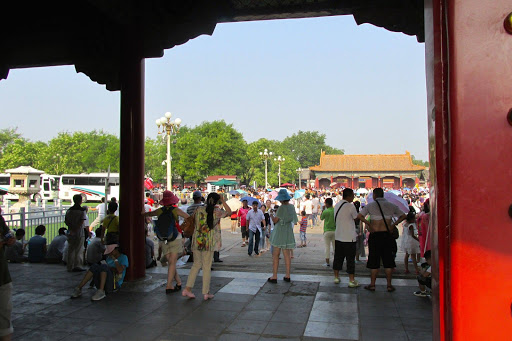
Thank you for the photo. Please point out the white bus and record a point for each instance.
(90, 186)
(49, 187)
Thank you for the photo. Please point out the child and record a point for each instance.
(15, 251)
(303, 228)
(410, 242)
(425, 277)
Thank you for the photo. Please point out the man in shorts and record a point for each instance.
(6, 239)
(381, 242)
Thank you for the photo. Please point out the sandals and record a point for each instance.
(176, 288)
(186, 293)
(370, 287)
(391, 288)
(286, 279)
(272, 280)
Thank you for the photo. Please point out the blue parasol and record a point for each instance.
(250, 200)
(299, 193)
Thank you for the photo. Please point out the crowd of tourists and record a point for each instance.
(351, 222)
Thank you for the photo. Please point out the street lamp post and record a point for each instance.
(279, 160)
(170, 128)
(299, 170)
(265, 155)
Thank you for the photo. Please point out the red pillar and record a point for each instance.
(401, 183)
(469, 95)
(132, 157)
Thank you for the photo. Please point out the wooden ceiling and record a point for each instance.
(89, 33)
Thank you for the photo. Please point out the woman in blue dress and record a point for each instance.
(282, 236)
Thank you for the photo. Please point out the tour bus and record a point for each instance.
(49, 187)
(90, 186)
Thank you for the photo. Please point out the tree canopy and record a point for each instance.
(210, 148)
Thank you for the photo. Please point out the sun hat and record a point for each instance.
(109, 248)
(197, 194)
(283, 195)
(169, 199)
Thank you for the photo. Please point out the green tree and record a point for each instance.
(21, 152)
(81, 153)
(210, 148)
(419, 162)
(255, 165)
(8, 136)
(154, 154)
(306, 147)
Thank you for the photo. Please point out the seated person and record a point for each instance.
(150, 252)
(96, 248)
(15, 252)
(56, 248)
(425, 277)
(37, 246)
(107, 276)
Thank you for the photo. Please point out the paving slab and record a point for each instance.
(245, 307)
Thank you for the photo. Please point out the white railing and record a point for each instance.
(28, 217)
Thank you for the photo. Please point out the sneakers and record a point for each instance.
(353, 284)
(336, 280)
(76, 293)
(420, 293)
(99, 295)
(326, 265)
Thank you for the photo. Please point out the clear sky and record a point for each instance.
(363, 86)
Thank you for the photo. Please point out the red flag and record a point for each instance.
(148, 183)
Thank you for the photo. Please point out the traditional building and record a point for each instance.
(367, 171)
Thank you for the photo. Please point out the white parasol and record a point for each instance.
(394, 199)
(234, 204)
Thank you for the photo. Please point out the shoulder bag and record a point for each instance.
(393, 233)
(189, 225)
(338, 211)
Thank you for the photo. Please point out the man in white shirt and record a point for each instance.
(254, 218)
(316, 208)
(345, 236)
(308, 208)
(102, 209)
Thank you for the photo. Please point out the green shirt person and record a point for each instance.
(328, 218)
(329, 228)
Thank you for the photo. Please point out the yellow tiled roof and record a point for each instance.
(366, 163)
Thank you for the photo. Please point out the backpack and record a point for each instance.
(165, 227)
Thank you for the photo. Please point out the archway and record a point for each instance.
(459, 110)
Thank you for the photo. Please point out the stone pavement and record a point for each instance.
(308, 260)
(245, 307)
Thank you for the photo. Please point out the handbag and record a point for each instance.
(189, 225)
(395, 234)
